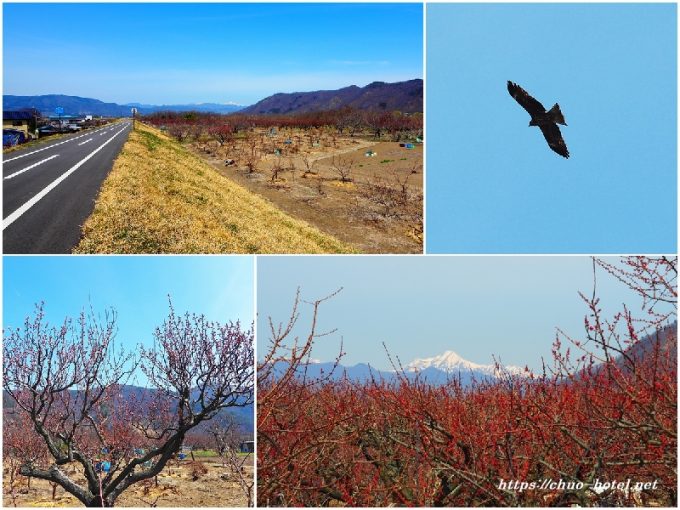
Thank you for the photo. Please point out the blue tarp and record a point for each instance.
(104, 466)
(12, 137)
(10, 140)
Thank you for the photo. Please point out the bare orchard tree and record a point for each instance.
(179, 131)
(69, 381)
(18, 445)
(251, 154)
(225, 433)
(309, 164)
(277, 168)
(290, 166)
(228, 436)
(223, 133)
(236, 462)
(343, 168)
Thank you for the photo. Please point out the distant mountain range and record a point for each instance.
(74, 105)
(194, 107)
(435, 370)
(449, 365)
(404, 96)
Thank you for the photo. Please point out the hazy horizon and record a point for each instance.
(207, 102)
(484, 308)
(207, 53)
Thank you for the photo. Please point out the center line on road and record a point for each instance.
(40, 195)
(88, 140)
(45, 148)
(29, 167)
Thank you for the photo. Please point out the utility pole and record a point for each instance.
(134, 113)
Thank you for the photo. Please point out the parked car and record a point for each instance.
(48, 130)
(11, 137)
(73, 128)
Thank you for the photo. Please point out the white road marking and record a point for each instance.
(45, 148)
(29, 167)
(88, 140)
(40, 195)
(54, 145)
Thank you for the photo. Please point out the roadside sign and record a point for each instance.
(59, 110)
(134, 111)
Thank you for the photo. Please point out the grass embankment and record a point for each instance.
(160, 198)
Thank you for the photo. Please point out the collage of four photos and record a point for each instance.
(413, 254)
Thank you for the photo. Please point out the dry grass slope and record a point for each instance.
(160, 198)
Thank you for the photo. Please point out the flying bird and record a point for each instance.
(547, 121)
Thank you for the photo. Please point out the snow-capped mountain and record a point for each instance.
(435, 370)
(452, 362)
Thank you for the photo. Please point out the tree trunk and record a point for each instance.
(97, 502)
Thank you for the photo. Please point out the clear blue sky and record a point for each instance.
(494, 186)
(221, 288)
(422, 306)
(189, 53)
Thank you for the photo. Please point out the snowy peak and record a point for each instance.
(450, 361)
(447, 362)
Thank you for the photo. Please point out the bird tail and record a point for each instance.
(556, 115)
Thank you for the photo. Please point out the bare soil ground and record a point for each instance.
(374, 203)
(176, 488)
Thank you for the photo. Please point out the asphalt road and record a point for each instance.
(49, 191)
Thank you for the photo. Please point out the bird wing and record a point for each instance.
(527, 102)
(553, 136)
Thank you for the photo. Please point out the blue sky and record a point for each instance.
(422, 306)
(189, 53)
(494, 186)
(221, 288)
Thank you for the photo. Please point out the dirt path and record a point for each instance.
(362, 144)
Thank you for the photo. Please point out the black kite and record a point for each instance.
(547, 121)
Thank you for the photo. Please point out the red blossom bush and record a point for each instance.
(604, 408)
(223, 128)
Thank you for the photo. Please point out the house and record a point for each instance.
(25, 120)
(247, 447)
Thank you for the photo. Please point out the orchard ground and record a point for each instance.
(180, 484)
(378, 206)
